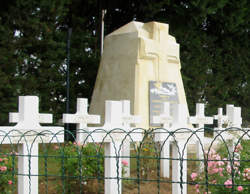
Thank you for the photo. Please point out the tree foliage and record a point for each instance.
(213, 37)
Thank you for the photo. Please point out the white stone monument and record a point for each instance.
(139, 59)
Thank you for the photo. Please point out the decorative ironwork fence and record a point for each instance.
(99, 165)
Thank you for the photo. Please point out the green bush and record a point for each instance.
(83, 166)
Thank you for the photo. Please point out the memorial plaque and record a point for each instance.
(160, 92)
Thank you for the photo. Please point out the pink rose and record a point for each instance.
(238, 147)
(10, 182)
(220, 169)
(215, 170)
(197, 186)
(220, 163)
(240, 188)
(125, 163)
(229, 170)
(1, 159)
(77, 143)
(3, 168)
(228, 183)
(193, 176)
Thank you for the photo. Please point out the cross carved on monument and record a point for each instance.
(161, 48)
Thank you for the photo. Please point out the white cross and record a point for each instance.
(234, 120)
(200, 117)
(201, 120)
(164, 118)
(82, 119)
(180, 120)
(127, 120)
(221, 118)
(163, 137)
(25, 133)
(112, 144)
(234, 116)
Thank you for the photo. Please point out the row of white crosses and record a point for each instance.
(180, 119)
(117, 116)
(28, 133)
(231, 119)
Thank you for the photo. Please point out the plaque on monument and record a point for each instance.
(160, 92)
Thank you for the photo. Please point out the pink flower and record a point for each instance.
(197, 191)
(10, 182)
(229, 170)
(125, 163)
(238, 148)
(236, 163)
(240, 188)
(3, 168)
(217, 157)
(193, 176)
(214, 181)
(210, 164)
(220, 163)
(197, 186)
(56, 147)
(77, 143)
(1, 159)
(228, 183)
(215, 170)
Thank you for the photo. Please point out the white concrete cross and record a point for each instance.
(82, 119)
(112, 144)
(234, 120)
(180, 120)
(201, 120)
(222, 119)
(164, 118)
(127, 120)
(163, 137)
(28, 133)
(200, 117)
(234, 116)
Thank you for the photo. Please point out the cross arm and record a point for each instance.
(43, 118)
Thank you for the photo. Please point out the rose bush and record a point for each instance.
(225, 172)
(6, 172)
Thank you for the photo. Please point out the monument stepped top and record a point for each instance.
(145, 29)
